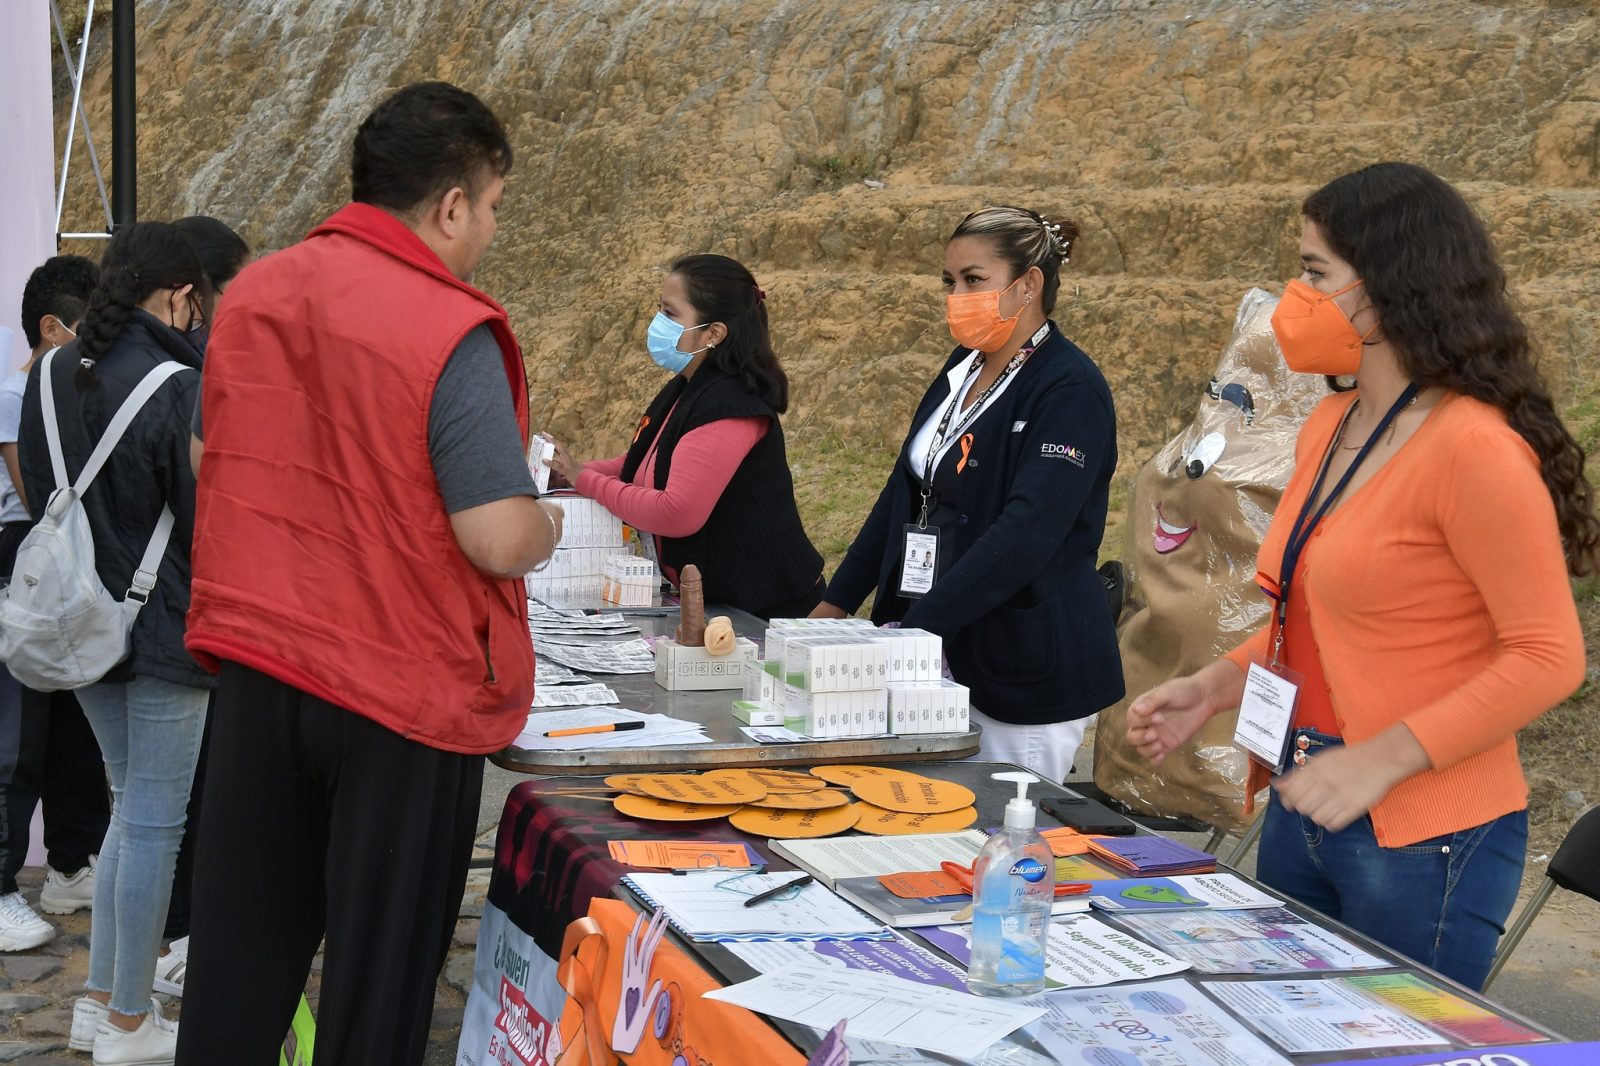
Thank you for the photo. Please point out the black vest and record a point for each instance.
(753, 552)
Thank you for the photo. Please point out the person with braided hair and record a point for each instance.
(1005, 475)
(148, 712)
(1418, 567)
(707, 472)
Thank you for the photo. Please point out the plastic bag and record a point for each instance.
(1199, 511)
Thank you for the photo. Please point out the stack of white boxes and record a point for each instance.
(845, 677)
(590, 535)
(629, 581)
(921, 698)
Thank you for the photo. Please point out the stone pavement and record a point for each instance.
(38, 988)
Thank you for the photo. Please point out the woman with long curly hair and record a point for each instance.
(1419, 566)
(148, 712)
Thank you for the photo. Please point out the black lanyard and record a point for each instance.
(1306, 524)
(956, 395)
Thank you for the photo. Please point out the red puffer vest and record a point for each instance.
(323, 555)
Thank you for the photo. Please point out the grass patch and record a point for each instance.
(837, 171)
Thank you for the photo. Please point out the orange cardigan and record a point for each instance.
(1438, 597)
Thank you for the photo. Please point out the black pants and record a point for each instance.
(58, 763)
(47, 753)
(319, 821)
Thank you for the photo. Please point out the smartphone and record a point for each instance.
(1088, 816)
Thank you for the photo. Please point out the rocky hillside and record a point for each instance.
(832, 145)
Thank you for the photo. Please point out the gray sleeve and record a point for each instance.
(473, 438)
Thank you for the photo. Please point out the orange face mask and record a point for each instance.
(1315, 335)
(974, 318)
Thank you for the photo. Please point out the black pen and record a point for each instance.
(762, 897)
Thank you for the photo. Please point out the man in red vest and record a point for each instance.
(364, 518)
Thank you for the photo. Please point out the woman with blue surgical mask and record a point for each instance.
(706, 472)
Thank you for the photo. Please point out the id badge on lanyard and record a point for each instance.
(1271, 688)
(919, 549)
(919, 559)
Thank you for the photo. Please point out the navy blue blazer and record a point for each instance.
(1018, 603)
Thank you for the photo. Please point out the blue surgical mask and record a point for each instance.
(662, 340)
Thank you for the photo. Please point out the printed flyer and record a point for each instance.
(1321, 1015)
(1451, 1015)
(1262, 941)
(1082, 952)
(1164, 1023)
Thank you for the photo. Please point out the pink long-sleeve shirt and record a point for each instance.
(703, 462)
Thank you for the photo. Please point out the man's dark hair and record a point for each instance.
(223, 253)
(423, 141)
(60, 287)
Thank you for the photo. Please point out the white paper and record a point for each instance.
(1265, 714)
(839, 857)
(659, 729)
(1257, 941)
(1084, 952)
(1321, 1015)
(882, 1008)
(573, 695)
(700, 908)
(772, 734)
(1163, 1023)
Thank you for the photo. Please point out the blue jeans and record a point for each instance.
(1442, 902)
(149, 732)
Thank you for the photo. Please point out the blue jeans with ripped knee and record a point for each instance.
(1442, 902)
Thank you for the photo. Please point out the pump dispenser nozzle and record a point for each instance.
(1020, 812)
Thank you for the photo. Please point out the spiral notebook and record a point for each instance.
(701, 910)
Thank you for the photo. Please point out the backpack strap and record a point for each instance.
(121, 421)
(52, 431)
(144, 578)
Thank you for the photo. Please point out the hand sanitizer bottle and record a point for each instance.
(1013, 885)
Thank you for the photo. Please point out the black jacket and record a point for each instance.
(1017, 599)
(753, 552)
(149, 468)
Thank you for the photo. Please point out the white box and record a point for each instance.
(760, 686)
(686, 669)
(752, 713)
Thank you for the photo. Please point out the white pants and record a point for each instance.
(1047, 750)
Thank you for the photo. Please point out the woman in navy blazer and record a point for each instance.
(1008, 463)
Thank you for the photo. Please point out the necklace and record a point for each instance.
(1339, 440)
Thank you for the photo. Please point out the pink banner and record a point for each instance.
(27, 165)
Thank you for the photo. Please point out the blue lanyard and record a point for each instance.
(1311, 514)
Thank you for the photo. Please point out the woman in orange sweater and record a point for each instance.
(1419, 564)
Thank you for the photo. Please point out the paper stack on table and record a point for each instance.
(658, 730)
(546, 672)
(1151, 856)
(709, 905)
(880, 1007)
(603, 656)
(588, 695)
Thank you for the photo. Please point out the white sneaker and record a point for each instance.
(20, 928)
(154, 1043)
(87, 1014)
(171, 966)
(63, 895)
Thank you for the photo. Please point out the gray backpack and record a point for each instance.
(59, 627)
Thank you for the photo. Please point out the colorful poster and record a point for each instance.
(1447, 1012)
(1163, 1023)
(1320, 1015)
(1262, 941)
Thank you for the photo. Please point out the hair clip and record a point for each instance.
(87, 364)
(761, 296)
